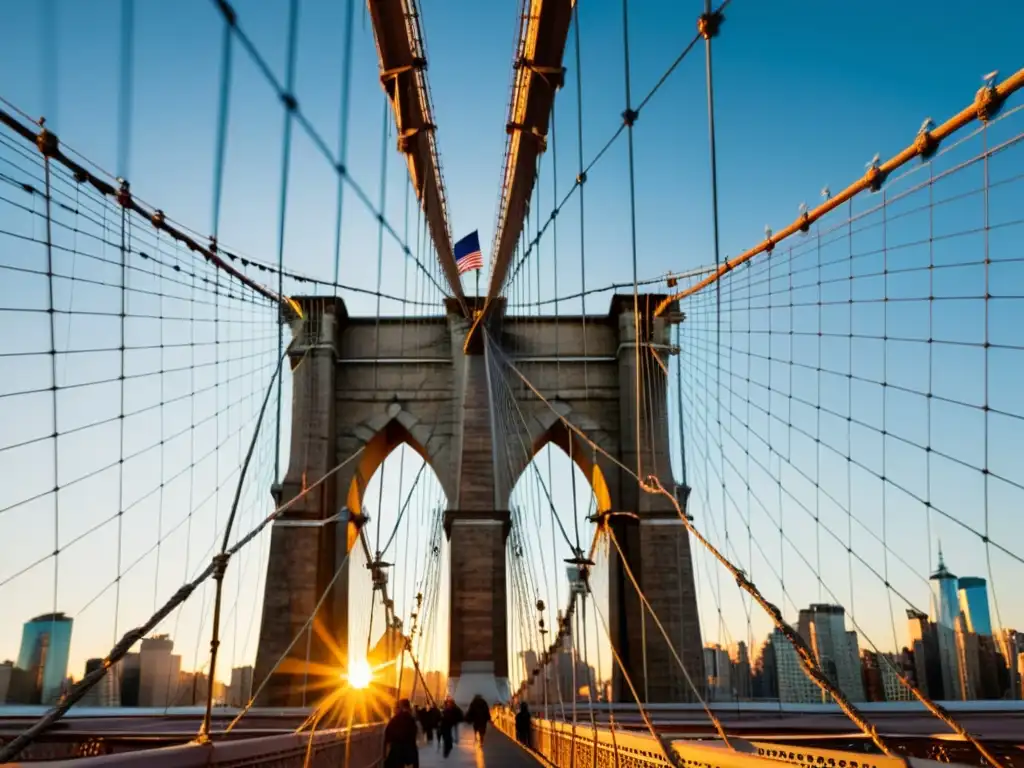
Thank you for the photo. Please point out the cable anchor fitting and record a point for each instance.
(874, 177)
(124, 192)
(46, 141)
(220, 565)
(805, 219)
(926, 144)
(987, 101)
(629, 117)
(378, 569)
(357, 520)
(709, 23)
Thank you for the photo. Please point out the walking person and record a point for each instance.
(450, 717)
(426, 723)
(479, 714)
(400, 738)
(524, 726)
(433, 721)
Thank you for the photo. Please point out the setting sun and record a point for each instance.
(359, 674)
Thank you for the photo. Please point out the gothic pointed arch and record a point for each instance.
(391, 433)
(553, 430)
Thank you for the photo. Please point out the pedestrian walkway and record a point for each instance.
(498, 752)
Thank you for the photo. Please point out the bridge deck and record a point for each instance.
(499, 751)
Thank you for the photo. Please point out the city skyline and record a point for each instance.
(797, 686)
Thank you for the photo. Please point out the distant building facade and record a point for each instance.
(718, 671)
(823, 628)
(764, 683)
(792, 682)
(107, 692)
(45, 645)
(240, 690)
(6, 669)
(159, 672)
(973, 594)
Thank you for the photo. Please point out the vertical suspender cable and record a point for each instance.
(581, 178)
(346, 82)
(124, 107)
(53, 390)
(380, 241)
(290, 105)
(629, 116)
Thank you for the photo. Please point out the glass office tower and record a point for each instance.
(974, 604)
(45, 644)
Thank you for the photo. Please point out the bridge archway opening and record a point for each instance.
(397, 553)
(582, 455)
(551, 503)
(390, 438)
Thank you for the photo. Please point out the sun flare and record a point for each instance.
(359, 674)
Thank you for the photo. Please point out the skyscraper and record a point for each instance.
(974, 605)
(792, 683)
(823, 627)
(718, 669)
(159, 670)
(945, 605)
(45, 643)
(741, 677)
(107, 692)
(765, 682)
(945, 610)
(924, 643)
(241, 686)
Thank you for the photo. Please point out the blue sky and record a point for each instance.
(805, 95)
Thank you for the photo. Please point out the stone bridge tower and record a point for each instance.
(377, 383)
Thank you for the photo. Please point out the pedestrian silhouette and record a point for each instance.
(400, 738)
(479, 714)
(524, 726)
(451, 716)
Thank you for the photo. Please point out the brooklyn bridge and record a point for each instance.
(281, 444)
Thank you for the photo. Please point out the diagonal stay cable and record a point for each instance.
(581, 178)
(130, 638)
(291, 104)
(653, 486)
(986, 102)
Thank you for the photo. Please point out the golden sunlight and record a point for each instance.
(359, 674)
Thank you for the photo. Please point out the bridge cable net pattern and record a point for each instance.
(524, 290)
(808, 387)
(185, 393)
(741, 340)
(133, 390)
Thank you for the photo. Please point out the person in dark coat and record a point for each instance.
(479, 714)
(426, 722)
(524, 726)
(433, 718)
(400, 738)
(451, 716)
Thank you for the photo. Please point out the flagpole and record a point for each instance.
(478, 284)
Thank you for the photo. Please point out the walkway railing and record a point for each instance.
(563, 745)
(358, 747)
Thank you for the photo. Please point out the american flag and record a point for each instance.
(467, 253)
